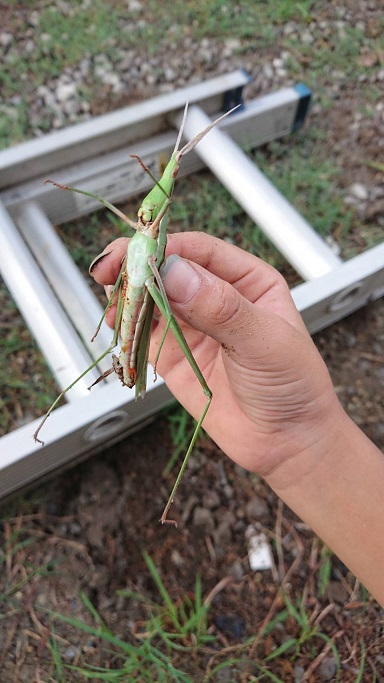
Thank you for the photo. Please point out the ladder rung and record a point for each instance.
(285, 227)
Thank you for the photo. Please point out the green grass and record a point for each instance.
(61, 41)
(17, 571)
(178, 631)
(168, 637)
(181, 428)
(66, 35)
(248, 21)
(169, 630)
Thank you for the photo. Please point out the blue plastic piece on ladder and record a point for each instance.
(303, 104)
(234, 97)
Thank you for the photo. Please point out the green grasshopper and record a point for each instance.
(139, 288)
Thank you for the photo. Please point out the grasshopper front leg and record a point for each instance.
(117, 288)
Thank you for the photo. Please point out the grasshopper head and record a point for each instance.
(147, 212)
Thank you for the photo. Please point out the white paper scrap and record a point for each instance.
(259, 552)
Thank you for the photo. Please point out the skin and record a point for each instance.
(274, 409)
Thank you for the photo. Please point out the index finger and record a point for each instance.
(222, 259)
(256, 280)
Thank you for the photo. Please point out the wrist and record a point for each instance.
(313, 446)
(336, 487)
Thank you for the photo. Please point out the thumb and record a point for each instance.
(213, 306)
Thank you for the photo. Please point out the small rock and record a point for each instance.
(290, 28)
(85, 107)
(307, 38)
(42, 600)
(151, 79)
(211, 499)
(224, 675)
(29, 47)
(231, 45)
(134, 6)
(85, 66)
(65, 91)
(338, 75)
(58, 121)
(176, 558)
(72, 108)
(278, 63)
(188, 507)
(223, 534)
(112, 79)
(5, 38)
(337, 593)
(34, 19)
(358, 190)
(256, 508)
(74, 528)
(203, 517)
(350, 340)
(330, 240)
(327, 668)
(169, 74)
(231, 625)
(237, 570)
(268, 71)
(228, 491)
(299, 672)
(70, 653)
(375, 209)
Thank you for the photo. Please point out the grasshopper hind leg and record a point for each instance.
(158, 293)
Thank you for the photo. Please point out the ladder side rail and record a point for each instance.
(342, 291)
(117, 177)
(109, 131)
(69, 285)
(75, 431)
(44, 316)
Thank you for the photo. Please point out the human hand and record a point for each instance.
(273, 399)
(274, 410)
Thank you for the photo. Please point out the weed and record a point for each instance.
(170, 628)
(181, 428)
(325, 569)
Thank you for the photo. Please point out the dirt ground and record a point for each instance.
(93, 523)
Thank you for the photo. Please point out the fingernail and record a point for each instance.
(108, 289)
(180, 280)
(97, 260)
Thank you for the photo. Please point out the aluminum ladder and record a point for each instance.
(56, 301)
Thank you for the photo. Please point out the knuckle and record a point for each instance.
(225, 304)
